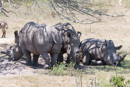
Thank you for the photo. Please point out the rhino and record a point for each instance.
(100, 52)
(41, 40)
(14, 52)
(70, 47)
(4, 27)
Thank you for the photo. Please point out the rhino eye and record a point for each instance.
(111, 56)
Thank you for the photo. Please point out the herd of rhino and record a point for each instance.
(51, 42)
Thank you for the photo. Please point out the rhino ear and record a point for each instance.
(65, 25)
(58, 25)
(79, 34)
(16, 33)
(118, 47)
(106, 43)
(16, 37)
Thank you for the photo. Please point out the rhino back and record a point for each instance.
(35, 38)
(93, 47)
(46, 38)
(60, 26)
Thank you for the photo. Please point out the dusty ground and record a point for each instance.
(117, 29)
(12, 68)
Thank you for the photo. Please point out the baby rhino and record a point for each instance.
(100, 52)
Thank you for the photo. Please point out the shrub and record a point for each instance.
(119, 81)
(62, 69)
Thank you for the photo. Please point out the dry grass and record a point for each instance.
(38, 81)
(117, 29)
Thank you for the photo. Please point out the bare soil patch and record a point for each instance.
(10, 68)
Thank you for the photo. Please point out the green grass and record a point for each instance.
(102, 74)
(118, 81)
(126, 2)
(1, 14)
(63, 69)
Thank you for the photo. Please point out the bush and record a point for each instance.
(64, 69)
(119, 81)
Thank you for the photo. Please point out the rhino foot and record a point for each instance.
(13, 59)
(95, 63)
(28, 64)
(36, 65)
(46, 66)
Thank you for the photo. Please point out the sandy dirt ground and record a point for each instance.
(10, 68)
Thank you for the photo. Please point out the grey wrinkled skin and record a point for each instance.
(100, 52)
(14, 49)
(40, 40)
(70, 47)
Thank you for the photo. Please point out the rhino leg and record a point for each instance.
(47, 59)
(35, 60)
(54, 59)
(68, 59)
(27, 55)
(95, 62)
(60, 57)
(86, 59)
(55, 51)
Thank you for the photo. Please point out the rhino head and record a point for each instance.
(15, 52)
(71, 42)
(109, 53)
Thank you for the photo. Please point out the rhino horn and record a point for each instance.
(118, 54)
(122, 57)
(118, 47)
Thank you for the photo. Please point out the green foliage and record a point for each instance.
(126, 2)
(58, 69)
(65, 69)
(1, 14)
(62, 69)
(118, 81)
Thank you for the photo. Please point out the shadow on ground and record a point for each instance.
(8, 67)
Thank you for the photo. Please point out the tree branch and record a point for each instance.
(5, 11)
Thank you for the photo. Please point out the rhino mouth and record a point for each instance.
(78, 55)
(114, 64)
(13, 59)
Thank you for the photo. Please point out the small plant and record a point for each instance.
(1, 14)
(94, 82)
(58, 69)
(63, 69)
(119, 81)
